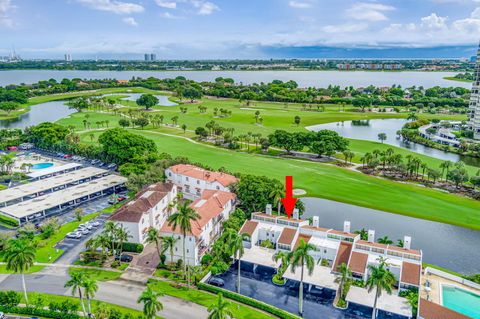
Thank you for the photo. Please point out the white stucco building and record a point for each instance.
(475, 101)
(192, 180)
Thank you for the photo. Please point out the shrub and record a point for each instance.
(116, 264)
(179, 264)
(248, 301)
(219, 267)
(206, 259)
(278, 280)
(8, 221)
(38, 312)
(163, 258)
(131, 247)
(10, 298)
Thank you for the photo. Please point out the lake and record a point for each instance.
(448, 246)
(303, 78)
(369, 129)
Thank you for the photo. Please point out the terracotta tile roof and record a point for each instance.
(411, 273)
(287, 236)
(358, 262)
(202, 174)
(343, 254)
(430, 310)
(316, 228)
(404, 250)
(210, 205)
(306, 238)
(249, 227)
(144, 200)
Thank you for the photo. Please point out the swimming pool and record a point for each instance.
(461, 300)
(42, 165)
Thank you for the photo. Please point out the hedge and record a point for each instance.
(8, 220)
(131, 247)
(38, 312)
(248, 301)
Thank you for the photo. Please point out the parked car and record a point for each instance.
(67, 156)
(94, 224)
(2, 315)
(75, 235)
(85, 231)
(112, 166)
(124, 258)
(100, 164)
(216, 282)
(85, 226)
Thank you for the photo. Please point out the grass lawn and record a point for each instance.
(100, 275)
(452, 78)
(206, 299)
(95, 303)
(35, 268)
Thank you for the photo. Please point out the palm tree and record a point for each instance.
(151, 304)
(285, 257)
(122, 236)
(363, 233)
(300, 258)
(195, 271)
(90, 287)
(154, 237)
(380, 278)
(76, 282)
(182, 220)
(344, 278)
(276, 195)
(220, 309)
(168, 243)
(20, 256)
(385, 240)
(110, 230)
(235, 245)
(446, 166)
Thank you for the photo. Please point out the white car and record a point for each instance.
(74, 234)
(95, 224)
(2, 315)
(85, 226)
(84, 231)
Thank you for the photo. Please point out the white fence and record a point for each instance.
(446, 275)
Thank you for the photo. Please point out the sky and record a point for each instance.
(235, 29)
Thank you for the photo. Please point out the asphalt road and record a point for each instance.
(118, 292)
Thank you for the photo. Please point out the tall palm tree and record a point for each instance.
(219, 310)
(344, 278)
(300, 258)
(380, 279)
(90, 287)
(168, 243)
(151, 302)
(235, 245)
(154, 237)
(20, 256)
(76, 282)
(276, 195)
(122, 236)
(182, 220)
(110, 230)
(285, 257)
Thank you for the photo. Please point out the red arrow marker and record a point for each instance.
(289, 202)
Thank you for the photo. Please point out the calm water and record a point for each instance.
(369, 129)
(303, 78)
(448, 246)
(44, 112)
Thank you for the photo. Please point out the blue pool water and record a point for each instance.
(42, 165)
(461, 301)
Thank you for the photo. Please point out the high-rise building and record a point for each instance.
(475, 100)
(147, 57)
(153, 56)
(68, 57)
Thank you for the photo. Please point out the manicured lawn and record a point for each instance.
(206, 299)
(3, 269)
(331, 182)
(100, 275)
(451, 78)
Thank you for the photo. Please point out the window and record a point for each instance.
(189, 238)
(268, 234)
(198, 182)
(169, 174)
(186, 178)
(176, 249)
(218, 188)
(188, 251)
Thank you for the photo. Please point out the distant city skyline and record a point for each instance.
(250, 29)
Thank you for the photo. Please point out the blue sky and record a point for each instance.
(203, 29)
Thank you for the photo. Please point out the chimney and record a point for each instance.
(371, 235)
(268, 209)
(346, 226)
(407, 242)
(296, 214)
(316, 221)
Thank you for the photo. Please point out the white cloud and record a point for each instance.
(299, 4)
(114, 6)
(130, 21)
(433, 21)
(368, 11)
(166, 4)
(5, 8)
(168, 15)
(205, 7)
(345, 28)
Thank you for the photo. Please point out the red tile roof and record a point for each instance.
(306, 238)
(202, 174)
(411, 273)
(390, 247)
(210, 205)
(343, 254)
(249, 227)
(430, 310)
(358, 262)
(143, 201)
(287, 236)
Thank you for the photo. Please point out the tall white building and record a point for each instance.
(68, 57)
(475, 101)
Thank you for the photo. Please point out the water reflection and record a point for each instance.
(44, 112)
